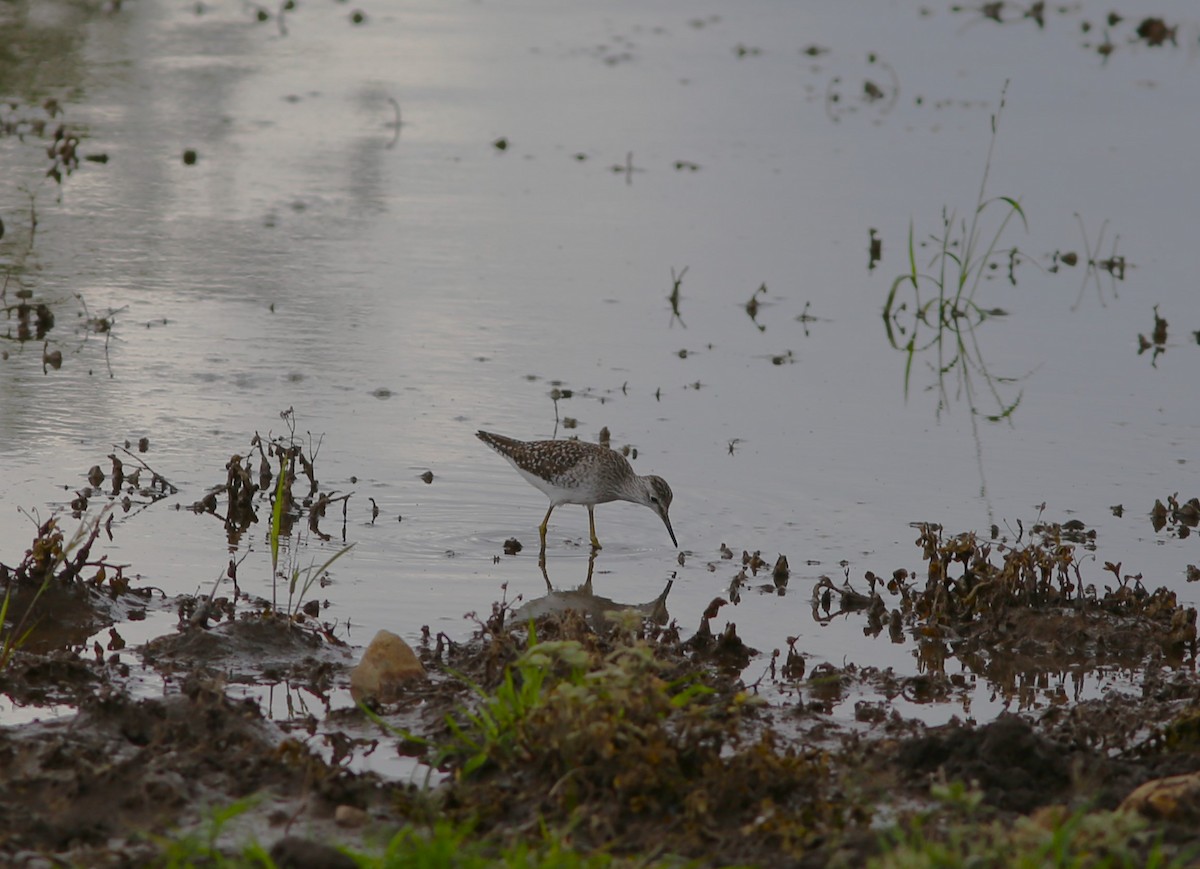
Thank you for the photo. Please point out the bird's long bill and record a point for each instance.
(670, 530)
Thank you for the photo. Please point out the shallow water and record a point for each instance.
(402, 287)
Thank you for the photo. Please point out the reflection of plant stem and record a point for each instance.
(33, 221)
(1114, 265)
(395, 125)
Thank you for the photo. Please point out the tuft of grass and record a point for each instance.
(604, 738)
(311, 575)
(300, 580)
(200, 848)
(446, 844)
(940, 304)
(440, 845)
(494, 731)
(277, 510)
(953, 835)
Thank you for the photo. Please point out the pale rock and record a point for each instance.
(386, 666)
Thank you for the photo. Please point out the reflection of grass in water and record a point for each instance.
(943, 300)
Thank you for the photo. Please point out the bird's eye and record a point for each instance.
(653, 499)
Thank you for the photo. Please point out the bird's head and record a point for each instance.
(657, 496)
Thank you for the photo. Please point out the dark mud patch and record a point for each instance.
(250, 650)
(1021, 766)
(57, 678)
(66, 614)
(96, 789)
(1018, 769)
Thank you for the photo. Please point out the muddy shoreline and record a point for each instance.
(639, 738)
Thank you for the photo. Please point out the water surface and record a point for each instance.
(401, 286)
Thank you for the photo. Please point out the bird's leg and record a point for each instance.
(592, 527)
(542, 532)
(586, 588)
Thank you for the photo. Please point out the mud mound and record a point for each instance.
(1016, 768)
(250, 650)
(45, 680)
(75, 785)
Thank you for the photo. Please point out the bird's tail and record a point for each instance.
(499, 443)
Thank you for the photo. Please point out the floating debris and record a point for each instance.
(781, 572)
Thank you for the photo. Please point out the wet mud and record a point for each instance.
(103, 787)
(640, 737)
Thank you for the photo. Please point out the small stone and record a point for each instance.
(387, 664)
(1175, 798)
(349, 816)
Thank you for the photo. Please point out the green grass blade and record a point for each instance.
(277, 513)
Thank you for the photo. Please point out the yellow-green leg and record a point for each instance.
(592, 527)
(542, 529)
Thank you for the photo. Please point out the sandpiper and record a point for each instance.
(577, 472)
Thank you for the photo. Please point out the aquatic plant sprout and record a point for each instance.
(964, 252)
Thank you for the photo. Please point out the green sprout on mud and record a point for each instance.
(298, 578)
(955, 836)
(447, 844)
(963, 255)
(277, 510)
(624, 740)
(491, 731)
(310, 576)
(494, 730)
(599, 740)
(437, 846)
(200, 848)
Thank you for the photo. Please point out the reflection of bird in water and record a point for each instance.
(598, 611)
(577, 472)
